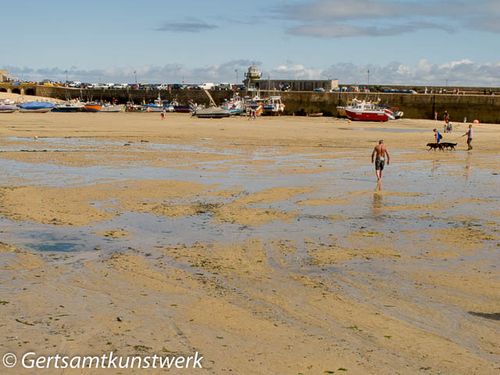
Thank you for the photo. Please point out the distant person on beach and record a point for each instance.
(469, 134)
(435, 116)
(379, 154)
(437, 135)
(163, 114)
(446, 116)
(448, 127)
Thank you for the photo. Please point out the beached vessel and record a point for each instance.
(35, 107)
(235, 106)
(366, 111)
(112, 108)
(7, 108)
(273, 106)
(68, 107)
(211, 112)
(182, 108)
(92, 107)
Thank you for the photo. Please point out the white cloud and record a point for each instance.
(461, 72)
(295, 71)
(189, 25)
(456, 73)
(339, 18)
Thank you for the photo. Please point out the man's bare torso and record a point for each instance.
(380, 151)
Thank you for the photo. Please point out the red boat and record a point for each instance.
(366, 112)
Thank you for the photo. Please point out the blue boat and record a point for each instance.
(36, 107)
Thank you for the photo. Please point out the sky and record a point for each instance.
(426, 42)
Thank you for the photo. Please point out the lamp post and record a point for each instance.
(236, 72)
(368, 74)
(135, 77)
(66, 71)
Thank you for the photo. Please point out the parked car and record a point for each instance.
(207, 86)
(319, 89)
(284, 86)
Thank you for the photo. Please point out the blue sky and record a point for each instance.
(413, 42)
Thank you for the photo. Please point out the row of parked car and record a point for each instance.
(145, 86)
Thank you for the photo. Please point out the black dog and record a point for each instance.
(435, 146)
(448, 145)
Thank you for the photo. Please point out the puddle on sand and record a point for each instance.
(387, 130)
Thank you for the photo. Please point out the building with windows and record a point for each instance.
(254, 81)
(320, 85)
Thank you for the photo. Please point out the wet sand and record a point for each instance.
(260, 244)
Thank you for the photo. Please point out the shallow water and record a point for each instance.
(432, 182)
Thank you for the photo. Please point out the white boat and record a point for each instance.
(235, 106)
(69, 107)
(211, 112)
(274, 106)
(156, 106)
(7, 108)
(112, 108)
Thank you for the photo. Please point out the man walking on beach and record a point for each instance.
(379, 154)
(468, 133)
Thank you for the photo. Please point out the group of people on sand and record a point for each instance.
(448, 128)
(380, 153)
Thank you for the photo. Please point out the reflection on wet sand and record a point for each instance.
(468, 166)
(377, 205)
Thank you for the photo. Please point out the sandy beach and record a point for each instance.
(260, 244)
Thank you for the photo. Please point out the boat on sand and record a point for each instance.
(35, 107)
(68, 107)
(7, 108)
(366, 111)
(211, 112)
(92, 107)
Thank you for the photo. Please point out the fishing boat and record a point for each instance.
(7, 108)
(182, 108)
(131, 107)
(168, 106)
(274, 106)
(35, 107)
(68, 107)
(365, 111)
(153, 107)
(92, 107)
(112, 108)
(156, 106)
(211, 112)
(234, 106)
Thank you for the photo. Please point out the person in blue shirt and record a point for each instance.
(437, 136)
